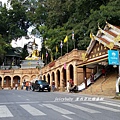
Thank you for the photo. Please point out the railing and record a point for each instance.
(96, 76)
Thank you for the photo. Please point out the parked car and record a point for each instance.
(41, 85)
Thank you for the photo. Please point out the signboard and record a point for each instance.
(113, 57)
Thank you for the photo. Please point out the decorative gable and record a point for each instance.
(108, 38)
(97, 50)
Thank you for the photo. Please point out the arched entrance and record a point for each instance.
(71, 72)
(53, 76)
(44, 78)
(33, 77)
(16, 80)
(58, 77)
(64, 76)
(7, 82)
(26, 78)
(48, 78)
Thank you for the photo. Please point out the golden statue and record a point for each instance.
(33, 52)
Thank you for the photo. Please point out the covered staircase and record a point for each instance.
(103, 86)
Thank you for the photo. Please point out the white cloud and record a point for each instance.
(5, 2)
(23, 41)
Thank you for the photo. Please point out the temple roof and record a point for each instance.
(109, 37)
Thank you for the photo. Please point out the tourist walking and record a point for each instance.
(68, 86)
(27, 85)
(53, 86)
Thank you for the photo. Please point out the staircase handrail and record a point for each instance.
(96, 76)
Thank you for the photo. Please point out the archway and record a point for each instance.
(53, 76)
(71, 72)
(33, 77)
(16, 80)
(64, 76)
(58, 77)
(25, 78)
(44, 78)
(7, 82)
(48, 78)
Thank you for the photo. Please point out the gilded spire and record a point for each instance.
(91, 35)
(34, 42)
(99, 26)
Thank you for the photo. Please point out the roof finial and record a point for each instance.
(34, 42)
(91, 35)
(99, 26)
(106, 22)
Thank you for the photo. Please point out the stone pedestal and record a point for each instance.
(31, 64)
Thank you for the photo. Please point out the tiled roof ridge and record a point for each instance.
(106, 36)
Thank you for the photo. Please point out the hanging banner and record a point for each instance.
(113, 57)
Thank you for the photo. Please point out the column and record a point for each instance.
(61, 81)
(11, 82)
(56, 80)
(2, 84)
(51, 79)
(75, 76)
(84, 76)
(46, 78)
(68, 73)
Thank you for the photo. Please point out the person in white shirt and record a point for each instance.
(68, 86)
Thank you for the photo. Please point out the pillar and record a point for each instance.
(62, 82)
(61, 79)
(11, 82)
(56, 80)
(68, 74)
(46, 78)
(84, 75)
(51, 79)
(2, 84)
(75, 76)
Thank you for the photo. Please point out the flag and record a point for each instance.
(64, 65)
(91, 35)
(61, 44)
(72, 35)
(66, 39)
(46, 54)
(56, 49)
(51, 57)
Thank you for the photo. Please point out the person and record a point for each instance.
(27, 85)
(74, 89)
(68, 86)
(71, 83)
(92, 78)
(22, 86)
(53, 86)
(16, 85)
(103, 72)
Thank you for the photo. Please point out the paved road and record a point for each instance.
(28, 105)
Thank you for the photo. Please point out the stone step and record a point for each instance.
(103, 86)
